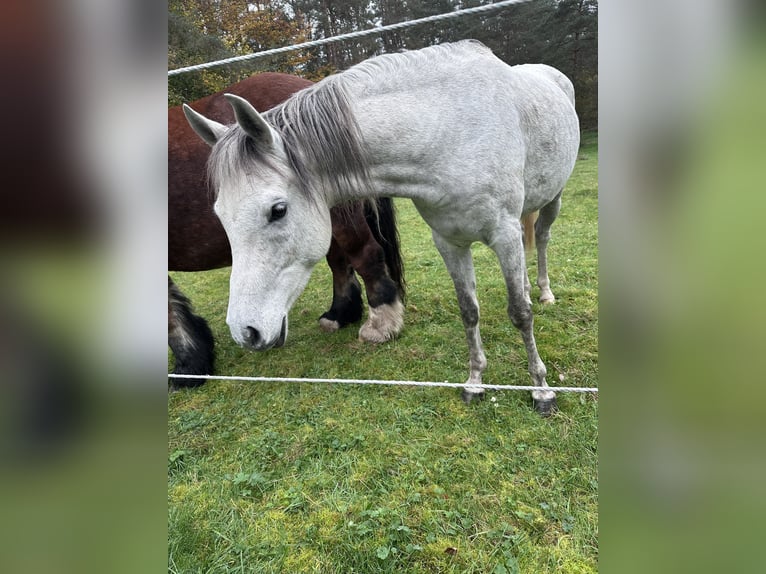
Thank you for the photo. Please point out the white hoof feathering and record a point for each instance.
(384, 323)
(328, 326)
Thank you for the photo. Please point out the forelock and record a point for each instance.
(235, 157)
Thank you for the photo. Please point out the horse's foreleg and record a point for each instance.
(459, 263)
(346, 305)
(547, 216)
(510, 252)
(190, 339)
(386, 311)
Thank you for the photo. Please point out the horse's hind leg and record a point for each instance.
(346, 293)
(547, 216)
(459, 263)
(528, 233)
(509, 248)
(190, 339)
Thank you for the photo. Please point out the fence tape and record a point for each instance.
(350, 35)
(385, 382)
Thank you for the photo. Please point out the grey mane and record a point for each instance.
(320, 134)
(321, 138)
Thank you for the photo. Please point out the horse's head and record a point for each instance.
(276, 231)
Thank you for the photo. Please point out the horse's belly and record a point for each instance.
(461, 225)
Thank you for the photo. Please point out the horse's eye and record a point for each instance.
(278, 211)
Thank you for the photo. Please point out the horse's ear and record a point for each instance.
(251, 121)
(210, 131)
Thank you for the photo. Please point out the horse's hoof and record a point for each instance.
(546, 408)
(328, 325)
(369, 334)
(547, 298)
(384, 323)
(469, 395)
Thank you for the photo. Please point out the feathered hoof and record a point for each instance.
(545, 408)
(469, 395)
(384, 323)
(369, 334)
(328, 325)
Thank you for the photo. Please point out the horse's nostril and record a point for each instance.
(252, 336)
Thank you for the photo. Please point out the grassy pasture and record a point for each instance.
(270, 477)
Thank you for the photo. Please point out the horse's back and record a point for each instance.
(534, 107)
(473, 120)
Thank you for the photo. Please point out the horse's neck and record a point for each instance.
(419, 120)
(404, 139)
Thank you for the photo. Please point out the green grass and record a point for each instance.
(270, 477)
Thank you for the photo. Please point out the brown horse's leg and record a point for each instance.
(190, 339)
(346, 293)
(368, 258)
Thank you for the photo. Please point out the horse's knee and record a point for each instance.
(336, 257)
(520, 314)
(469, 308)
(542, 237)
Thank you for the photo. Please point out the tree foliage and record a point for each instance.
(205, 30)
(187, 45)
(562, 33)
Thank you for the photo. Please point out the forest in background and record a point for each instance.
(561, 33)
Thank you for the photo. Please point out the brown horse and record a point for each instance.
(364, 240)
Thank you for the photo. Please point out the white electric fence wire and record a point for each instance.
(384, 382)
(350, 35)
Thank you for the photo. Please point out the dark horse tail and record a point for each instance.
(190, 339)
(383, 226)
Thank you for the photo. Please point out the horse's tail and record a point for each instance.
(528, 223)
(383, 226)
(190, 339)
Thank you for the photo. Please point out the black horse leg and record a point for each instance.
(190, 339)
(346, 293)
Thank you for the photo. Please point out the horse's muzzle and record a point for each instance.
(253, 339)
